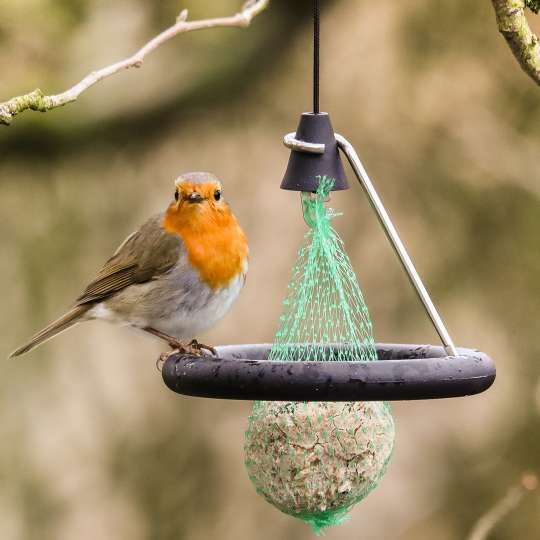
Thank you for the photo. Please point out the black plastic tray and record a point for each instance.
(403, 372)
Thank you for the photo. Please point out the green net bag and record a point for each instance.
(316, 460)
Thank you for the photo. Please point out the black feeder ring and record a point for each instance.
(403, 372)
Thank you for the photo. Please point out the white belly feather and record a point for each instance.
(177, 303)
(185, 325)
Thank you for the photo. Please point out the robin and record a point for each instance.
(175, 277)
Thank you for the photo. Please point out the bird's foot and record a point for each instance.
(192, 348)
(198, 348)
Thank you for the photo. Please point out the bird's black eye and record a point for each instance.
(217, 194)
(176, 195)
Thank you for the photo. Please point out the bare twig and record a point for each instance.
(522, 41)
(37, 101)
(484, 526)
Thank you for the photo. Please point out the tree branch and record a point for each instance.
(487, 522)
(522, 41)
(37, 101)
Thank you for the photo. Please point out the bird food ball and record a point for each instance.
(315, 460)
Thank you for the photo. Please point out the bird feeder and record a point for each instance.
(321, 433)
(402, 372)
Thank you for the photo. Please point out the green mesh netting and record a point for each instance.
(324, 304)
(314, 461)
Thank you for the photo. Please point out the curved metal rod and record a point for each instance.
(291, 142)
(393, 236)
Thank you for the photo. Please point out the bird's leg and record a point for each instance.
(174, 343)
(193, 348)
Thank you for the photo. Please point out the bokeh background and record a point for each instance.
(92, 443)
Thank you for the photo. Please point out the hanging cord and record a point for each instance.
(316, 53)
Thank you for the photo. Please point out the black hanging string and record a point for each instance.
(316, 53)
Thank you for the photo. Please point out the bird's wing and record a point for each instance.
(143, 256)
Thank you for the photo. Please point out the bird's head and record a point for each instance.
(197, 194)
(198, 203)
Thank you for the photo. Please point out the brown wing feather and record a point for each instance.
(143, 256)
(103, 287)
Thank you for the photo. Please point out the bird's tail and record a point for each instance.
(72, 317)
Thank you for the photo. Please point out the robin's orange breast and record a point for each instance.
(215, 243)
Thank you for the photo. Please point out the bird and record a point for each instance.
(173, 278)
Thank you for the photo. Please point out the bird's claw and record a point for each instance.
(162, 358)
(193, 348)
(199, 347)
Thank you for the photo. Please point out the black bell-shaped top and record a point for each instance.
(304, 167)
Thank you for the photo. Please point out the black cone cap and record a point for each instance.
(303, 167)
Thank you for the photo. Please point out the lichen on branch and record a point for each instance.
(35, 101)
(513, 25)
(533, 5)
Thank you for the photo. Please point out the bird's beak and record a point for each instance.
(195, 197)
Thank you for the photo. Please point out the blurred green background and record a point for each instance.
(92, 443)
